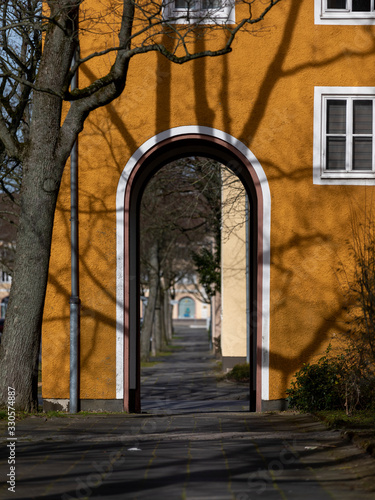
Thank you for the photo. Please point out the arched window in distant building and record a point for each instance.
(186, 308)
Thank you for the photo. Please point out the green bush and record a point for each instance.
(318, 386)
(240, 373)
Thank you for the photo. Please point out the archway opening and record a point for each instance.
(180, 228)
(193, 228)
(161, 150)
(180, 241)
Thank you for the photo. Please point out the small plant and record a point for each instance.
(318, 386)
(240, 373)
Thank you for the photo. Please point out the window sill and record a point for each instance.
(345, 179)
(342, 18)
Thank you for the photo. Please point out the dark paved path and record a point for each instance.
(186, 380)
(175, 454)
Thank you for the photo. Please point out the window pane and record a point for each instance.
(336, 117)
(361, 6)
(362, 153)
(336, 147)
(336, 4)
(211, 4)
(186, 4)
(362, 117)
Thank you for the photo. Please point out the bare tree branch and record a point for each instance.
(10, 141)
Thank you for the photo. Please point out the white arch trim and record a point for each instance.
(120, 196)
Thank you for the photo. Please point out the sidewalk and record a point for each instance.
(185, 447)
(186, 380)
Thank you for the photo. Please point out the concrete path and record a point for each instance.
(191, 454)
(187, 381)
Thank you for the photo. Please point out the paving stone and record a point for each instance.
(194, 443)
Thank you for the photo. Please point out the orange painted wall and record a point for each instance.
(261, 93)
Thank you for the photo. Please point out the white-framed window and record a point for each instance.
(5, 277)
(344, 11)
(344, 139)
(199, 11)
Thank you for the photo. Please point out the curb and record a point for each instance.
(358, 438)
(362, 442)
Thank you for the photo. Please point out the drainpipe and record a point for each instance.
(74, 298)
(247, 279)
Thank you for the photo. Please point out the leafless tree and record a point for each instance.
(180, 213)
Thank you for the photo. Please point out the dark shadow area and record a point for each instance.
(205, 455)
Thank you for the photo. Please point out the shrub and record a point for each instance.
(318, 386)
(333, 383)
(348, 380)
(240, 373)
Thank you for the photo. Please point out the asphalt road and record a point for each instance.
(179, 452)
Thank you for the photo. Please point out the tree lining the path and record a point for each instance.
(181, 225)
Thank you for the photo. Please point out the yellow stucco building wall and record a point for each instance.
(263, 95)
(233, 272)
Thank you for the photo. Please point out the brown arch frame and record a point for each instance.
(156, 157)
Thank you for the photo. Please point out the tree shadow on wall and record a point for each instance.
(301, 238)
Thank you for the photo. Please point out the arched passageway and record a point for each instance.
(146, 161)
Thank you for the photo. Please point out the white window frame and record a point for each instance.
(320, 175)
(5, 277)
(341, 16)
(224, 15)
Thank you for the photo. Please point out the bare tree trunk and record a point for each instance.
(19, 348)
(164, 341)
(216, 319)
(167, 296)
(168, 316)
(151, 303)
(157, 335)
(153, 341)
(42, 171)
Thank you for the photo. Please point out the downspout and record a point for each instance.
(74, 298)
